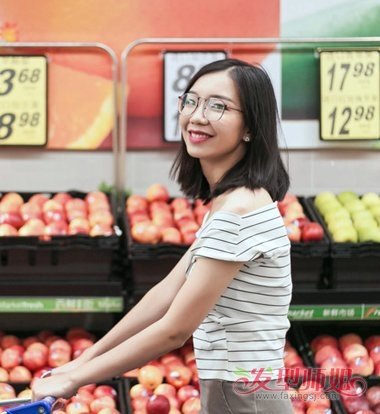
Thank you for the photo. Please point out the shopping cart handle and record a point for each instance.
(38, 407)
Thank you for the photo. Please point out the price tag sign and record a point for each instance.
(23, 100)
(350, 89)
(179, 67)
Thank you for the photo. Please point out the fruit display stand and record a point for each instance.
(355, 263)
(71, 278)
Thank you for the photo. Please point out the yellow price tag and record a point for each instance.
(350, 89)
(23, 100)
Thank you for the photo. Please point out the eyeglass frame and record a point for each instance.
(206, 100)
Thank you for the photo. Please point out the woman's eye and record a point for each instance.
(190, 102)
(217, 106)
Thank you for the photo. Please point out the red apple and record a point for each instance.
(10, 358)
(34, 359)
(138, 404)
(100, 205)
(162, 220)
(109, 410)
(75, 213)
(157, 404)
(14, 219)
(171, 235)
(83, 395)
(33, 227)
(159, 207)
(102, 402)
(39, 199)
(136, 204)
(159, 365)
(60, 344)
(88, 387)
(101, 230)
(354, 351)
(180, 203)
(186, 392)
(312, 232)
(188, 237)
(7, 230)
(105, 390)
(377, 369)
(354, 404)
(20, 374)
(62, 198)
(349, 339)
(179, 376)
(157, 192)
(138, 390)
(138, 218)
(171, 357)
(372, 341)
(6, 391)
(192, 406)
(375, 354)
(77, 407)
(51, 216)
(373, 395)
(79, 225)
(58, 357)
(100, 217)
(56, 228)
(334, 366)
(322, 340)
(76, 204)
(4, 376)
(13, 198)
(146, 233)
(165, 389)
(150, 376)
(326, 352)
(80, 344)
(185, 214)
(78, 333)
(95, 196)
(362, 365)
(52, 205)
(294, 232)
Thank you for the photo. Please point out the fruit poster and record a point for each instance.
(80, 87)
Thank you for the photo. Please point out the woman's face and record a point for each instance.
(220, 140)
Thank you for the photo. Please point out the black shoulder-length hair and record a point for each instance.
(261, 166)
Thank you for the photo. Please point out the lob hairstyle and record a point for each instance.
(261, 166)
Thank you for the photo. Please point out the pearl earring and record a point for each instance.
(246, 139)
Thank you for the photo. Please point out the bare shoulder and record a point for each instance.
(242, 200)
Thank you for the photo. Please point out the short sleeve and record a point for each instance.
(243, 238)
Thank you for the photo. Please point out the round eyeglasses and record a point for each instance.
(213, 108)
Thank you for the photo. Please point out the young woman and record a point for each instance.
(232, 288)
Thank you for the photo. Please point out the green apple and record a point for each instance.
(371, 199)
(331, 205)
(345, 235)
(354, 205)
(375, 210)
(369, 235)
(346, 196)
(342, 223)
(361, 215)
(365, 224)
(323, 198)
(336, 214)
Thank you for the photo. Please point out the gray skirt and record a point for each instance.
(225, 397)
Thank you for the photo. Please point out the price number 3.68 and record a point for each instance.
(9, 76)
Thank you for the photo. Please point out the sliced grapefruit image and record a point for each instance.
(80, 109)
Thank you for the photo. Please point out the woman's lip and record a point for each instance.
(198, 137)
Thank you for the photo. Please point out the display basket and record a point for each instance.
(354, 265)
(61, 257)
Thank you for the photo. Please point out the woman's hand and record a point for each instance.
(70, 366)
(58, 386)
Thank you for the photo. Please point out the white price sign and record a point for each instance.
(179, 67)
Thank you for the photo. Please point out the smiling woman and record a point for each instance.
(232, 288)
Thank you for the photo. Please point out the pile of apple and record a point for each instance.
(91, 399)
(334, 355)
(298, 226)
(362, 401)
(60, 215)
(21, 360)
(168, 385)
(310, 398)
(156, 219)
(350, 218)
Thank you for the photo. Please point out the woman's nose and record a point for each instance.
(199, 114)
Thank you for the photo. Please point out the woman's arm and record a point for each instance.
(148, 310)
(198, 294)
